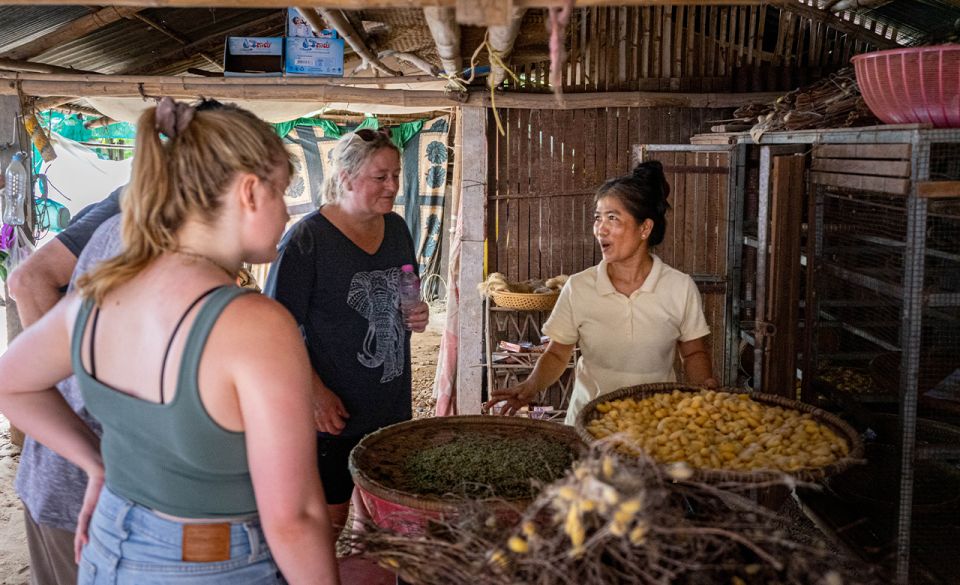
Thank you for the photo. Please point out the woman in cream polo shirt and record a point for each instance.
(630, 314)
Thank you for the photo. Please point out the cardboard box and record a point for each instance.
(314, 56)
(253, 57)
(297, 26)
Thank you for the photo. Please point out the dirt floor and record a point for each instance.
(14, 559)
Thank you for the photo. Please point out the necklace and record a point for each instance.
(189, 254)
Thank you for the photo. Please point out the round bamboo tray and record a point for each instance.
(526, 301)
(376, 464)
(841, 428)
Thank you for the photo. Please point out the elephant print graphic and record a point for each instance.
(375, 295)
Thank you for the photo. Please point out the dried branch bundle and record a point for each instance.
(613, 520)
(833, 102)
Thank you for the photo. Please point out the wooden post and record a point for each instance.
(11, 127)
(473, 191)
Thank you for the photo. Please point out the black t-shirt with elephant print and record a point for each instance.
(347, 305)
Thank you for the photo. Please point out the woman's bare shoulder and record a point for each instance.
(258, 311)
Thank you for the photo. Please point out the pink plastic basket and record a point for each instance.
(915, 85)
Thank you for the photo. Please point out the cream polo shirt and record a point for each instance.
(624, 340)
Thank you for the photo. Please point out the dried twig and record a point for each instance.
(612, 520)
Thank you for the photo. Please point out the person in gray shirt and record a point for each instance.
(50, 487)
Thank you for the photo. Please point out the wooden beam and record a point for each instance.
(835, 22)
(489, 13)
(72, 31)
(938, 189)
(179, 38)
(473, 193)
(862, 182)
(621, 99)
(11, 126)
(367, 4)
(316, 89)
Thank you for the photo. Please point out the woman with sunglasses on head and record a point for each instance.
(205, 472)
(338, 273)
(631, 314)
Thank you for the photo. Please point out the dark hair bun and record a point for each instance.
(651, 174)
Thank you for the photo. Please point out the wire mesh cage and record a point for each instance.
(887, 321)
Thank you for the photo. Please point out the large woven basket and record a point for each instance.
(842, 429)
(376, 464)
(526, 301)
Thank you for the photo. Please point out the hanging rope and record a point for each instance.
(496, 59)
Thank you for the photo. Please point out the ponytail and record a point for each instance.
(181, 178)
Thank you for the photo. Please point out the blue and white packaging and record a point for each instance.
(253, 56)
(297, 26)
(320, 57)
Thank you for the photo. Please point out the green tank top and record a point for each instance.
(172, 458)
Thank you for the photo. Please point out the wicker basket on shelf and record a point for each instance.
(525, 301)
(839, 427)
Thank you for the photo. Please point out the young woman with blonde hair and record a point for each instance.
(206, 470)
(338, 272)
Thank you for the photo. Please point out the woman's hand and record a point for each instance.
(329, 413)
(416, 319)
(515, 397)
(90, 497)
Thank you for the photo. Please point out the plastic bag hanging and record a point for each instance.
(20, 248)
(15, 192)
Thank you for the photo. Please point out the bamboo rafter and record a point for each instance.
(339, 21)
(321, 90)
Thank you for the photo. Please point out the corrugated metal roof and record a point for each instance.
(919, 21)
(23, 23)
(108, 50)
(131, 46)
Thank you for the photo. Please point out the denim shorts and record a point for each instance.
(131, 545)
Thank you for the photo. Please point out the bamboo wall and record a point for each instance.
(701, 48)
(545, 170)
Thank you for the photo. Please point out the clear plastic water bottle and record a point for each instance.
(409, 286)
(16, 191)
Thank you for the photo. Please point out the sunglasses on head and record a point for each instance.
(369, 135)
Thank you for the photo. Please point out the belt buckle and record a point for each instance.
(206, 543)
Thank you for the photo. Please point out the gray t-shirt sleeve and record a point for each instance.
(81, 229)
(51, 487)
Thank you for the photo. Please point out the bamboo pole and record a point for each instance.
(319, 90)
(501, 39)
(338, 20)
(446, 35)
(31, 67)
